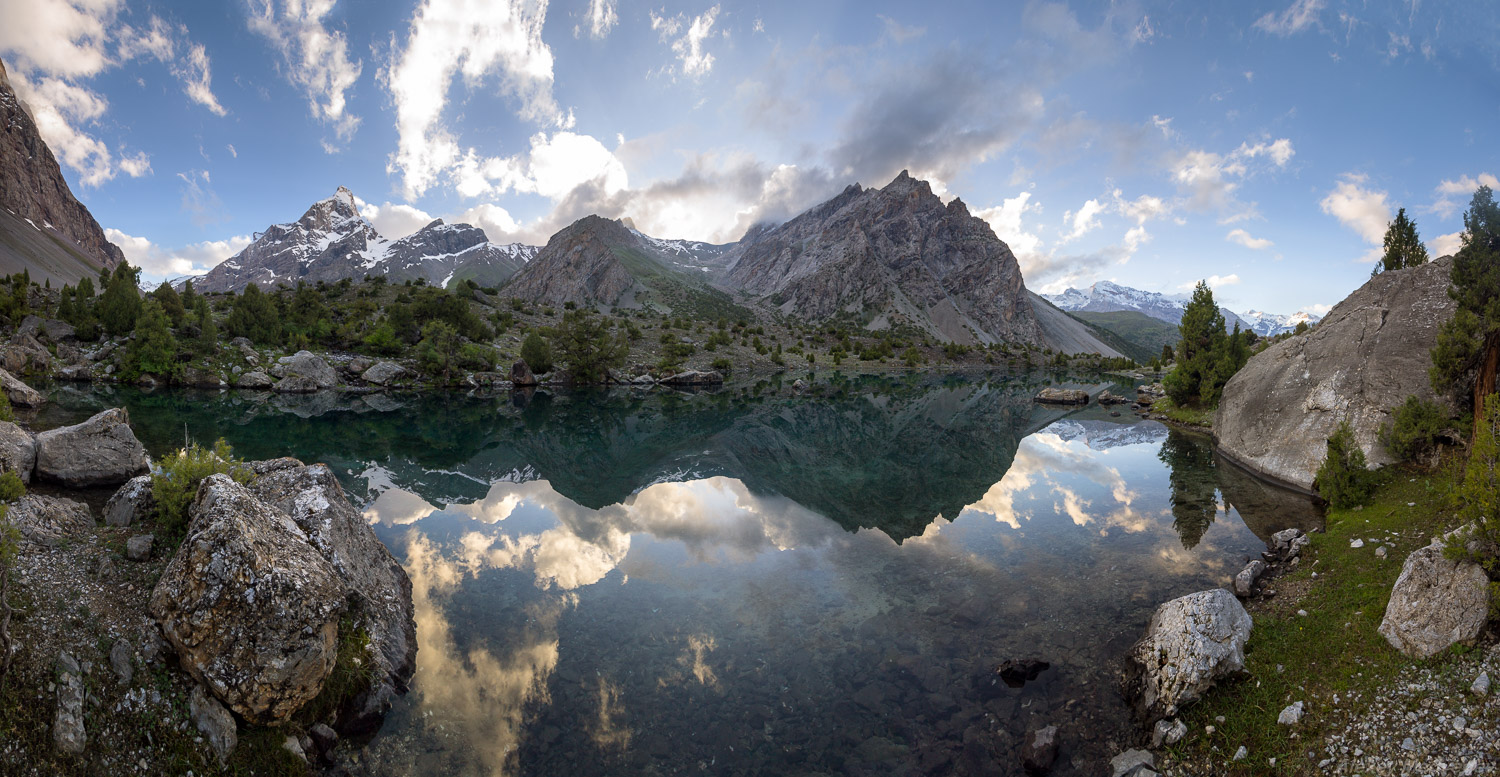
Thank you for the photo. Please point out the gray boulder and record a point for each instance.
(1191, 643)
(132, 503)
(23, 355)
(521, 375)
(255, 379)
(47, 519)
(138, 548)
(383, 373)
(1436, 602)
(1363, 360)
(377, 585)
(47, 329)
(198, 377)
(1057, 396)
(19, 394)
(309, 367)
(1289, 542)
(694, 378)
(1244, 582)
(214, 722)
(250, 607)
(122, 661)
(17, 450)
(101, 451)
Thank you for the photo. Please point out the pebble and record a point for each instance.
(1380, 552)
(1302, 613)
(1356, 543)
(1290, 716)
(1481, 686)
(1241, 754)
(1408, 744)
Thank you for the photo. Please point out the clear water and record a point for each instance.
(750, 582)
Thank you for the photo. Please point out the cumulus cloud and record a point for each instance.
(1452, 195)
(1318, 310)
(54, 46)
(1445, 245)
(313, 58)
(1210, 181)
(693, 60)
(393, 220)
(1213, 281)
(1361, 209)
(1005, 219)
(1082, 222)
(1297, 17)
(158, 263)
(1243, 238)
(598, 20)
(447, 38)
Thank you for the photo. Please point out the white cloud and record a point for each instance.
(1210, 181)
(1445, 245)
(497, 223)
(899, 32)
(1214, 281)
(1135, 237)
(1318, 310)
(695, 62)
(314, 59)
(1451, 194)
(232, 153)
(1243, 238)
(1300, 15)
(197, 81)
(66, 39)
(451, 37)
(1141, 209)
(1084, 221)
(599, 19)
(1361, 209)
(555, 165)
(393, 220)
(158, 263)
(1005, 219)
(137, 165)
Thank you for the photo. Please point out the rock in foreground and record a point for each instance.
(1191, 643)
(101, 451)
(1436, 602)
(1363, 360)
(251, 608)
(19, 394)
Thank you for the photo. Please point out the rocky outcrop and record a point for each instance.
(17, 450)
(23, 355)
(896, 253)
(1364, 359)
(47, 329)
(694, 378)
(47, 519)
(1437, 602)
(303, 372)
(383, 373)
(251, 608)
(1059, 396)
(32, 188)
(1191, 643)
(521, 375)
(585, 263)
(376, 583)
(101, 451)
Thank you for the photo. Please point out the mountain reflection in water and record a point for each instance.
(624, 583)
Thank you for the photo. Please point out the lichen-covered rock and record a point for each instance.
(1436, 602)
(17, 450)
(379, 588)
(309, 367)
(19, 394)
(1365, 358)
(255, 379)
(47, 519)
(132, 503)
(1244, 582)
(250, 607)
(1191, 642)
(1058, 396)
(383, 373)
(101, 451)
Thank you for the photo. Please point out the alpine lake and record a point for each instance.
(752, 580)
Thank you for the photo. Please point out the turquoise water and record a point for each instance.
(752, 582)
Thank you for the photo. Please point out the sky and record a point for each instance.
(1261, 146)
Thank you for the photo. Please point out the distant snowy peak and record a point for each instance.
(1105, 297)
(332, 241)
(685, 254)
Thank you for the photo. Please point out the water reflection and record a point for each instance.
(738, 583)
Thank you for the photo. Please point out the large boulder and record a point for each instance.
(1060, 396)
(1191, 643)
(383, 373)
(1436, 602)
(309, 368)
(47, 329)
(521, 375)
(101, 451)
(17, 450)
(19, 394)
(1366, 357)
(47, 519)
(133, 503)
(255, 379)
(23, 355)
(378, 587)
(694, 378)
(252, 609)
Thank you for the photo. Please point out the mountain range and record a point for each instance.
(1107, 297)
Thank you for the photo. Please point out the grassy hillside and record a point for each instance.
(1143, 335)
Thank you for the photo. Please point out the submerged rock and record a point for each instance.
(250, 607)
(1363, 360)
(1191, 643)
(1057, 396)
(1436, 602)
(1039, 750)
(101, 451)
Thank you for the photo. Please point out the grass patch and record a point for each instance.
(1187, 416)
(1335, 649)
(354, 671)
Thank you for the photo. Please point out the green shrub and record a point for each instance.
(11, 487)
(6, 412)
(1414, 429)
(480, 358)
(1479, 495)
(722, 366)
(174, 485)
(537, 353)
(1343, 479)
(382, 340)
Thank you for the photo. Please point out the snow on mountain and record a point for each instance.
(1104, 297)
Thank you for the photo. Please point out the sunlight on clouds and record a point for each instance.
(1453, 195)
(315, 59)
(1084, 221)
(1361, 209)
(695, 62)
(1445, 245)
(158, 262)
(600, 18)
(1243, 238)
(1005, 219)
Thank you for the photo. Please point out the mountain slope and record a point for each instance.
(600, 262)
(1143, 335)
(43, 228)
(1065, 333)
(332, 241)
(890, 257)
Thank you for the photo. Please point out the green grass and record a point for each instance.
(1335, 649)
(1143, 335)
(1187, 416)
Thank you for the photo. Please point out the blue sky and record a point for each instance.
(1263, 146)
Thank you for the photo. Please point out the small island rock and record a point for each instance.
(101, 451)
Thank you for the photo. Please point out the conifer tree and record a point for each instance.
(171, 303)
(153, 350)
(1467, 355)
(121, 302)
(254, 316)
(1403, 248)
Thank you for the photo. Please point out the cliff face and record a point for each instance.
(1368, 354)
(895, 256)
(32, 189)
